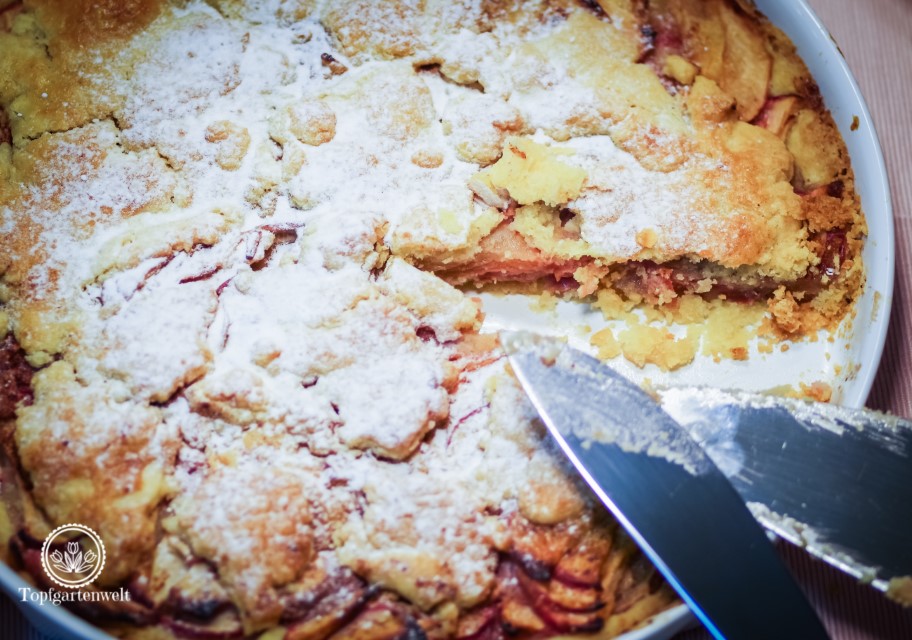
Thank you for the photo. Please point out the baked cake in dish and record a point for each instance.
(239, 245)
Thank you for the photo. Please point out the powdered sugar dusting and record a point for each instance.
(621, 198)
(218, 252)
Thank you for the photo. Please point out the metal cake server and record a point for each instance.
(666, 492)
(835, 481)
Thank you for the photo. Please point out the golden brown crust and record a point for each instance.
(779, 174)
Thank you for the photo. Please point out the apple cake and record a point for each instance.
(239, 244)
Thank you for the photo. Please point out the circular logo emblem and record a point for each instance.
(73, 555)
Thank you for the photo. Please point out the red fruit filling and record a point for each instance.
(15, 378)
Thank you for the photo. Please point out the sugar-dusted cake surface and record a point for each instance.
(239, 241)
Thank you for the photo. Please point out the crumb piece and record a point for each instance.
(819, 391)
(875, 307)
(545, 302)
(233, 142)
(607, 345)
(612, 305)
(427, 159)
(643, 344)
(657, 313)
(311, 122)
(589, 277)
(900, 590)
(784, 310)
(728, 331)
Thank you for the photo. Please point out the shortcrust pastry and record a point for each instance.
(239, 241)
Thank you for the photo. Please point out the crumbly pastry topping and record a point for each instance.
(233, 339)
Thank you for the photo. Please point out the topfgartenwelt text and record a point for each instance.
(57, 597)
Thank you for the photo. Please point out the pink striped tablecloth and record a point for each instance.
(876, 38)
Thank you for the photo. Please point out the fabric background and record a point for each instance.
(876, 38)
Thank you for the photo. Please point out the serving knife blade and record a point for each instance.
(665, 490)
(833, 480)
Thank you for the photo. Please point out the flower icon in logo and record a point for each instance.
(73, 556)
(73, 561)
